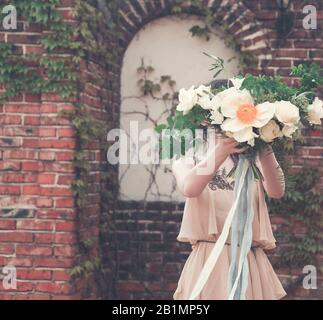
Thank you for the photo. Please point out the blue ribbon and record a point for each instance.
(241, 234)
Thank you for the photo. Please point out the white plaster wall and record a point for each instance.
(167, 45)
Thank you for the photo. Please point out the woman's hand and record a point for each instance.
(228, 146)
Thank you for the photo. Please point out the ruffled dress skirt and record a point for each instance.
(263, 283)
(203, 219)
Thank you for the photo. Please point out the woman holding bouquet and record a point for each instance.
(225, 217)
(209, 196)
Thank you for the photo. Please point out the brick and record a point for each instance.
(47, 155)
(10, 142)
(55, 214)
(30, 143)
(61, 275)
(21, 108)
(35, 225)
(54, 262)
(65, 156)
(64, 203)
(19, 154)
(6, 248)
(63, 238)
(56, 192)
(44, 202)
(32, 296)
(10, 166)
(64, 251)
(30, 274)
(32, 120)
(29, 97)
(9, 119)
(57, 144)
(46, 178)
(9, 190)
(53, 287)
(23, 39)
(32, 166)
(16, 236)
(33, 250)
(47, 132)
(21, 286)
(18, 178)
(31, 190)
(66, 133)
(65, 180)
(7, 224)
(65, 226)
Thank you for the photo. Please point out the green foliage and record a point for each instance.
(301, 203)
(310, 75)
(20, 74)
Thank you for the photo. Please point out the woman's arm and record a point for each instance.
(274, 180)
(192, 179)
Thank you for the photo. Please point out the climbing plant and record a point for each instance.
(51, 71)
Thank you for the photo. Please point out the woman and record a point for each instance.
(209, 196)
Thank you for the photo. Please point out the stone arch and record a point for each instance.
(135, 14)
(242, 22)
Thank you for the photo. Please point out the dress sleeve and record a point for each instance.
(277, 175)
(265, 235)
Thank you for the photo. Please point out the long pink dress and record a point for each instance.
(203, 219)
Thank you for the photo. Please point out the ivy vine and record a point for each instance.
(53, 72)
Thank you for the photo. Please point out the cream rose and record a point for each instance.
(270, 131)
(203, 90)
(315, 111)
(287, 113)
(289, 130)
(216, 117)
(187, 99)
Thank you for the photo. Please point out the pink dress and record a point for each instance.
(203, 219)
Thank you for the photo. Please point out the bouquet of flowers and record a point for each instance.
(257, 111)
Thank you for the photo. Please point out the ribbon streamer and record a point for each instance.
(238, 279)
(243, 166)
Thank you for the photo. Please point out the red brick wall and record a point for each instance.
(37, 146)
(37, 212)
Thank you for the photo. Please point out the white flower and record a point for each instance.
(270, 131)
(209, 103)
(288, 130)
(315, 111)
(243, 115)
(232, 91)
(187, 99)
(287, 113)
(216, 117)
(203, 90)
(237, 82)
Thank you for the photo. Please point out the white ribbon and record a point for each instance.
(218, 247)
